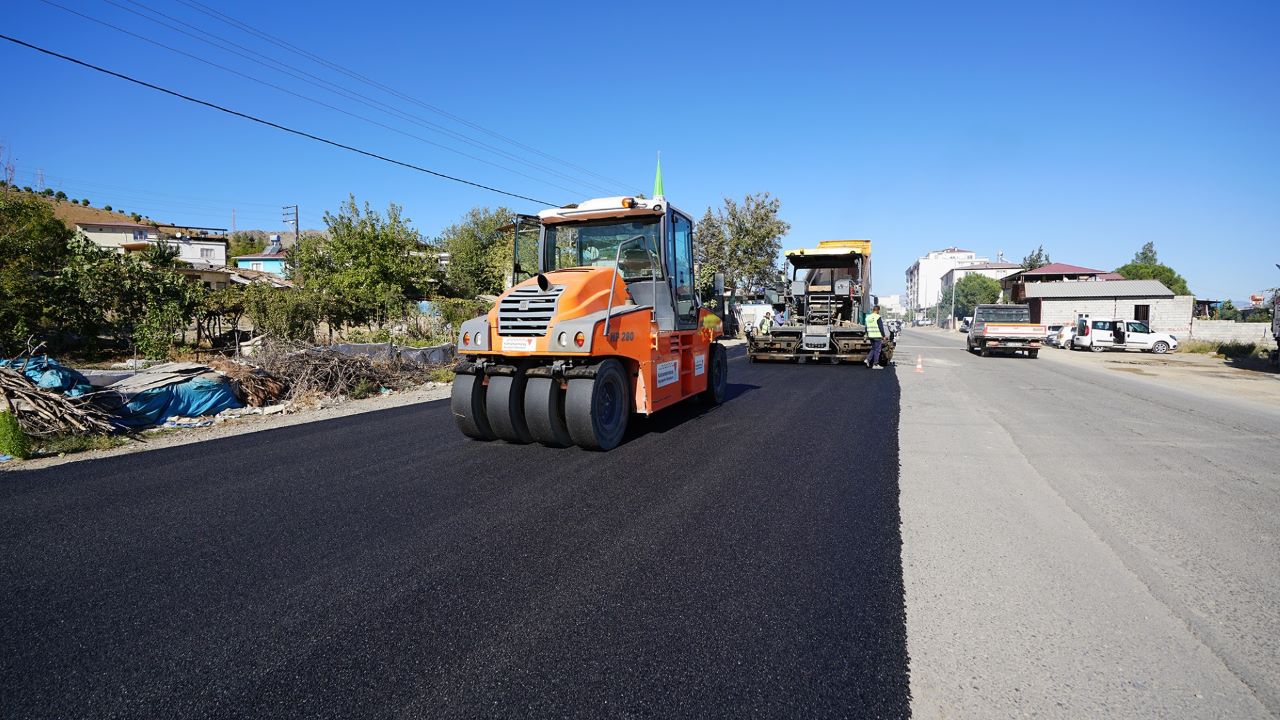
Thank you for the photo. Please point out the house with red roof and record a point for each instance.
(1015, 285)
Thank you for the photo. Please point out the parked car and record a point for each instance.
(1064, 337)
(1051, 333)
(1111, 334)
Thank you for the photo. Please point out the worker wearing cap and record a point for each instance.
(875, 333)
(766, 323)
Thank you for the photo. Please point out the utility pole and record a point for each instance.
(292, 220)
(233, 221)
(951, 321)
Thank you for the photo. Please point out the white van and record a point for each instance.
(1099, 334)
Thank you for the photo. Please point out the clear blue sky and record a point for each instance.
(1088, 127)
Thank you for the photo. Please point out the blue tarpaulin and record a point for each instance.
(49, 374)
(193, 398)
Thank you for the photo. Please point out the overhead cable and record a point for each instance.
(269, 123)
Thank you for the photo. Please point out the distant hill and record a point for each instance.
(73, 213)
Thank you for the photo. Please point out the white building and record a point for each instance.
(194, 246)
(891, 305)
(993, 270)
(924, 277)
(117, 235)
(1147, 301)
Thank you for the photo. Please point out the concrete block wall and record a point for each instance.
(1232, 331)
(1171, 315)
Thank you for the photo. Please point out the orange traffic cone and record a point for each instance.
(919, 363)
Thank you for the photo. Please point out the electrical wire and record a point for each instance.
(274, 40)
(266, 61)
(300, 96)
(269, 123)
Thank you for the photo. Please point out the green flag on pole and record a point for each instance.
(657, 179)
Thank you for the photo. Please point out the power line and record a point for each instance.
(269, 123)
(287, 91)
(93, 186)
(267, 61)
(201, 7)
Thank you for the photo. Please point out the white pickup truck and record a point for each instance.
(1004, 329)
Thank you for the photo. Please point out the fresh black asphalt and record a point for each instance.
(737, 562)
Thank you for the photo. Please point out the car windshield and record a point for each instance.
(1004, 314)
(595, 244)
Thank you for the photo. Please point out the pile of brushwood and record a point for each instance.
(311, 371)
(42, 413)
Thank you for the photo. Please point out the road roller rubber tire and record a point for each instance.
(544, 412)
(466, 401)
(504, 406)
(597, 409)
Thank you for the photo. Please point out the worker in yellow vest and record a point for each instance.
(875, 333)
(766, 323)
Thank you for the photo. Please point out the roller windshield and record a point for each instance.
(595, 244)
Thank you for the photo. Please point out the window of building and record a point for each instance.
(255, 266)
(1142, 313)
(206, 253)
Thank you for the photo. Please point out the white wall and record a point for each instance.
(113, 237)
(1171, 315)
(1230, 330)
(192, 249)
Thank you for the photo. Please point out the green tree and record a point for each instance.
(1146, 266)
(162, 254)
(368, 267)
(1036, 259)
(479, 255)
(743, 241)
(1146, 256)
(972, 290)
(1259, 315)
(246, 242)
(33, 247)
(1226, 311)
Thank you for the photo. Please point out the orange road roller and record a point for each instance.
(609, 326)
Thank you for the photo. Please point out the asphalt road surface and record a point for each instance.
(1080, 540)
(739, 562)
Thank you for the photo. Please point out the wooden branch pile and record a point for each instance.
(42, 413)
(321, 371)
(253, 385)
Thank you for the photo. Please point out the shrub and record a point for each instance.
(363, 389)
(1237, 349)
(13, 441)
(456, 311)
(107, 208)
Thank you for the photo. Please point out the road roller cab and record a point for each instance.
(609, 326)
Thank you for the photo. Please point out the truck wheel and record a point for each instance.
(597, 409)
(1096, 348)
(544, 412)
(1160, 348)
(1033, 353)
(717, 375)
(984, 352)
(504, 406)
(466, 401)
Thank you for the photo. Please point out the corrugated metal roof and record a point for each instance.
(1098, 289)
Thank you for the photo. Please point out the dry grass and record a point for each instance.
(1231, 349)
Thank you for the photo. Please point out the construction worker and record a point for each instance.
(875, 333)
(766, 323)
